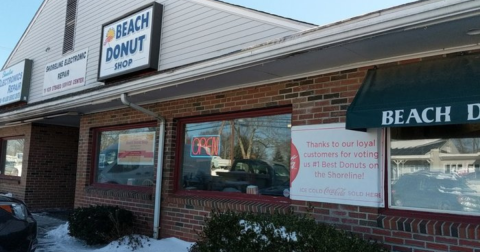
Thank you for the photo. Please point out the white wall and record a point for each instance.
(191, 32)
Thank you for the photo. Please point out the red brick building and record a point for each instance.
(208, 121)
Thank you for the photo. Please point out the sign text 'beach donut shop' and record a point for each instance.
(131, 43)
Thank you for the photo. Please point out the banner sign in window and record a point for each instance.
(334, 165)
(131, 43)
(136, 148)
(15, 83)
(205, 146)
(66, 73)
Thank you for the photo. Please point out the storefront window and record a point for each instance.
(435, 169)
(237, 154)
(126, 156)
(12, 158)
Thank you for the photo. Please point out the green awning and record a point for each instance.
(434, 92)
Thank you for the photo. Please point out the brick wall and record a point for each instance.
(52, 160)
(314, 100)
(140, 202)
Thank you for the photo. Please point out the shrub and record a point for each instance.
(100, 224)
(230, 231)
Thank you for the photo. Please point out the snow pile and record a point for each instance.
(278, 232)
(59, 240)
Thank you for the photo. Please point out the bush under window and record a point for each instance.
(231, 231)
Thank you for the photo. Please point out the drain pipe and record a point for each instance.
(158, 183)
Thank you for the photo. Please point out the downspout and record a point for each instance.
(158, 182)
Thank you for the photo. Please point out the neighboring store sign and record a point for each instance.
(205, 146)
(442, 91)
(15, 83)
(131, 43)
(334, 165)
(136, 148)
(66, 73)
(427, 115)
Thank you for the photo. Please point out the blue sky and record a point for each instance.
(15, 15)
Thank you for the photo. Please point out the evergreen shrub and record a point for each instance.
(239, 232)
(100, 224)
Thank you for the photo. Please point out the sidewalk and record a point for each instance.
(47, 222)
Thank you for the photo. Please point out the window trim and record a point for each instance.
(180, 131)
(3, 158)
(416, 214)
(94, 155)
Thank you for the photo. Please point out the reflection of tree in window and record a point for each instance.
(264, 137)
(254, 136)
(467, 145)
(13, 157)
(15, 146)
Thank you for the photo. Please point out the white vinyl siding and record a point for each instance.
(191, 32)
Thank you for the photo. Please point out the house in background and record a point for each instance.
(436, 155)
(125, 120)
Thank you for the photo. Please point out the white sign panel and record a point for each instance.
(66, 73)
(15, 83)
(129, 44)
(334, 165)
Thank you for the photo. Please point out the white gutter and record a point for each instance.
(375, 24)
(158, 181)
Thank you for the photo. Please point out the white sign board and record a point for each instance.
(136, 148)
(131, 43)
(66, 73)
(334, 165)
(15, 83)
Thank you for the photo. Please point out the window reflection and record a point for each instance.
(126, 157)
(238, 154)
(13, 159)
(435, 174)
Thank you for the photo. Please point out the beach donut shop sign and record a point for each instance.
(131, 43)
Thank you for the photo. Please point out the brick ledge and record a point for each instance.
(192, 201)
(104, 192)
(430, 227)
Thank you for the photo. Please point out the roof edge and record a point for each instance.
(256, 14)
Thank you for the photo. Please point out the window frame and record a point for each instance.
(96, 132)
(3, 157)
(410, 213)
(180, 139)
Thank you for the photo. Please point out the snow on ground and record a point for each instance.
(59, 240)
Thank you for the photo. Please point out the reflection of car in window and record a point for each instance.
(111, 172)
(434, 190)
(270, 179)
(196, 171)
(218, 162)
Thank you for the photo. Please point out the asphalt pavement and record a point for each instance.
(47, 222)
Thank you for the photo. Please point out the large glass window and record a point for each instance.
(435, 169)
(237, 153)
(12, 156)
(126, 156)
